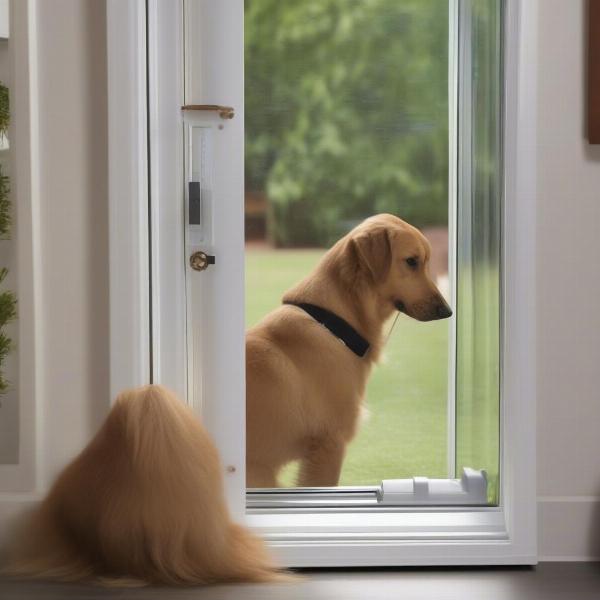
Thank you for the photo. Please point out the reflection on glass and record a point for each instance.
(478, 253)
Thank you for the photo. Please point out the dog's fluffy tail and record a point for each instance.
(143, 503)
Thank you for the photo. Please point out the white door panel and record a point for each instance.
(214, 158)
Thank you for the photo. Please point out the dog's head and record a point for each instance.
(393, 258)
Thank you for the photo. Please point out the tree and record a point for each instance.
(346, 113)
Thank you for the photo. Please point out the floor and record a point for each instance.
(548, 581)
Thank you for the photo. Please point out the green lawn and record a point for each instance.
(407, 393)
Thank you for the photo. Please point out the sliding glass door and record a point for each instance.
(276, 128)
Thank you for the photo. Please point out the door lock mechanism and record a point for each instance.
(199, 260)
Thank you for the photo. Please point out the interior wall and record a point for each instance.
(73, 220)
(568, 288)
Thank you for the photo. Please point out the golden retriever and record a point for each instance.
(142, 504)
(304, 388)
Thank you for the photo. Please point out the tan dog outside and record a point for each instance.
(305, 389)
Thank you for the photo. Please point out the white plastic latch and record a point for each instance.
(469, 490)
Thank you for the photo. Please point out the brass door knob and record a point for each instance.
(199, 261)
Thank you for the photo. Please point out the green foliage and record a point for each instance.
(346, 113)
(8, 302)
(8, 312)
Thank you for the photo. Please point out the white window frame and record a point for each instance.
(505, 534)
(129, 269)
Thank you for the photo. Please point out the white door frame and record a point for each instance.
(129, 273)
(501, 535)
(169, 359)
(214, 158)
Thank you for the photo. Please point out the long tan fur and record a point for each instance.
(143, 503)
(304, 388)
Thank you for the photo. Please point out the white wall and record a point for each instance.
(73, 223)
(568, 266)
(63, 207)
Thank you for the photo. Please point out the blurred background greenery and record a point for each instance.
(346, 116)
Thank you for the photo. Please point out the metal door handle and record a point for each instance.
(225, 112)
(199, 261)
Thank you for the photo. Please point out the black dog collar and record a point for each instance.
(336, 325)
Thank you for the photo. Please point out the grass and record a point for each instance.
(406, 395)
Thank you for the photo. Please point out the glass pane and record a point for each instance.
(346, 117)
(479, 234)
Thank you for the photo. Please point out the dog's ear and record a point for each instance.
(373, 250)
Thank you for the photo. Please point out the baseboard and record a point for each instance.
(569, 528)
(13, 506)
(543, 559)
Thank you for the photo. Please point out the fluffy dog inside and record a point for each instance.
(142, 504)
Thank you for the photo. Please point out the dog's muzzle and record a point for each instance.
(430, 311)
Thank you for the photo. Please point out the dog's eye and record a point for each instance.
(412, 262)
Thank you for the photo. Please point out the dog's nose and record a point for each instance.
(443, 311)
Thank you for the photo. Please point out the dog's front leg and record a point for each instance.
(322, 463)
(261, 476)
